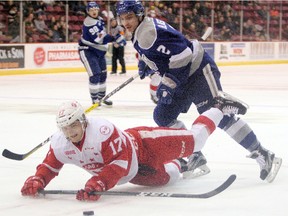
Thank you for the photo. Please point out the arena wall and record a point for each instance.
(63, 57)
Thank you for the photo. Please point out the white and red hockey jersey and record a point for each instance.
(106, 152)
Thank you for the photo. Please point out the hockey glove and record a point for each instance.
(166, 89)
(120, 40)
(143, 69)
(32, 185)
(92, 185)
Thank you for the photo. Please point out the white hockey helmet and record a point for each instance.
(70, 112)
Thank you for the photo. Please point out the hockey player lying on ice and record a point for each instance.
(141, 155)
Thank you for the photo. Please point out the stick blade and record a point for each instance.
(11, 155)
(219, 189)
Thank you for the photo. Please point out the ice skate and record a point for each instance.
(106, 103)
(269, 164)
(122, 73)
(113, 73)
(229, 104)
(196, 166)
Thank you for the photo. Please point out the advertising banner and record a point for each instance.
(54, 55)
(231, 52)
(12, 57)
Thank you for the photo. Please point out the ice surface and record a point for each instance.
(28, 104)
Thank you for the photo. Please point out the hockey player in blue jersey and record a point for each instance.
(189, 75)
(93, 46)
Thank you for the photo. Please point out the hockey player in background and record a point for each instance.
(93, 46)
(140, 155)
(189, 75)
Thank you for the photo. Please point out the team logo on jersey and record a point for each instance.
(104, 130)
(70, 152)
(92, 166)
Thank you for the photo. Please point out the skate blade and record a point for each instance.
(274, 171)
(200, 171)
(106, 106)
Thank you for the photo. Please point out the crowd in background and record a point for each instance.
(47, 21)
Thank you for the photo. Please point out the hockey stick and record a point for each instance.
(206, 195)
(14, 156)
(115, 90)
(207, 33)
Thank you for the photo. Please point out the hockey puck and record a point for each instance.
(86, 213)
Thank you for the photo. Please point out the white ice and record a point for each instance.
(28, 104)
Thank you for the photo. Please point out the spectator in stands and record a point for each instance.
(274, 14)
(195, 16)
(248, 30)
(13, 23)
(203, 8)
(117, 50)
(12, 13)
(201, 26)
(29, 39)
(62, 26)
(220, 22)
(263, 12)
(151, 12)
(3, 38)
(106, 15)
(191, 32)
(170, 16)
(40, 24)
(52, 22)
(225, 34)
(78, 7)
(29, 25)
(285, 32)
(39, 6)
(259, 33)
(187, 23)
(231, 25)
(187, 13)
(55, 35)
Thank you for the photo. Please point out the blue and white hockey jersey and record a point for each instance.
(166, 50)
(94, 36)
